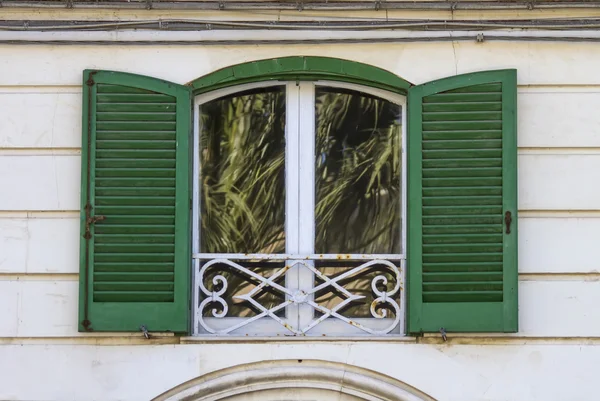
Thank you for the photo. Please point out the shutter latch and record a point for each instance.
(88, 222)
(507, 221)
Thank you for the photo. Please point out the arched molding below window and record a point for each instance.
(302, 68)
(354, 382)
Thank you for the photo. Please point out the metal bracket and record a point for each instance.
(90, 220)
(69, 3)
(443, 333)
(148, 4)
(144, 330)
(507, 221)
(87, 325)
(300, 6)
(480, 38)
(377, 5)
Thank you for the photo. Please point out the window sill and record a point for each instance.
(286, 339)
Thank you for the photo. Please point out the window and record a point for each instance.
(300, 183)
(299, 196)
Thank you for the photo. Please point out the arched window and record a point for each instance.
(299, 196)
(302, 183)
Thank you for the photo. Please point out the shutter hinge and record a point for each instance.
(443, 333)
(144, 330)
(507, 221)
(87, 325)
(89, 220)
(90, 81)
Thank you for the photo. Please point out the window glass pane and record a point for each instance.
(358, 163)
(242, 178)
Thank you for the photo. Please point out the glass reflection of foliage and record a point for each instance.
(242, 145)
(357, 173)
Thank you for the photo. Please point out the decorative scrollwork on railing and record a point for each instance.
(383, 300)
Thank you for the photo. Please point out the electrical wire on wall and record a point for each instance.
(334, 28)
(365, 25)
(302, 5)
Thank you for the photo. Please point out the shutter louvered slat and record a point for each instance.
(445, 123)
(112, 129)
(459, 257)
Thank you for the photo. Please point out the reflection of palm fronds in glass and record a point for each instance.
(358, 174)
(243, 179)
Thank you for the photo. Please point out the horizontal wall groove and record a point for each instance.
(541, 276)
(39, 276)
(75, 151)
(538, 276)
(40, 89)
(116, 339)
(22, 151)
(38, 214)
(523, 213)
(531, 213)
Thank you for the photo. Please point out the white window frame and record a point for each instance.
(299, 225)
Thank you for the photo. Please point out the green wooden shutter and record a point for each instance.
(462, 161)
(135, 253)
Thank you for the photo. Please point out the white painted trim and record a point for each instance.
(314, 374)
(306, 194)
(292, 190)
(195, 216)
(279, 35)
(300, 256)
(210, 96)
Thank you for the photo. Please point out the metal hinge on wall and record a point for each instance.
(89, 220)
(144, 330)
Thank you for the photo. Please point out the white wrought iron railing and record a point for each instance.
(298, 298)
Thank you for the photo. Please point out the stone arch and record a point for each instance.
(267, 376)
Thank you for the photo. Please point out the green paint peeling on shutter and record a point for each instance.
(135, 253)
(462, 261)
